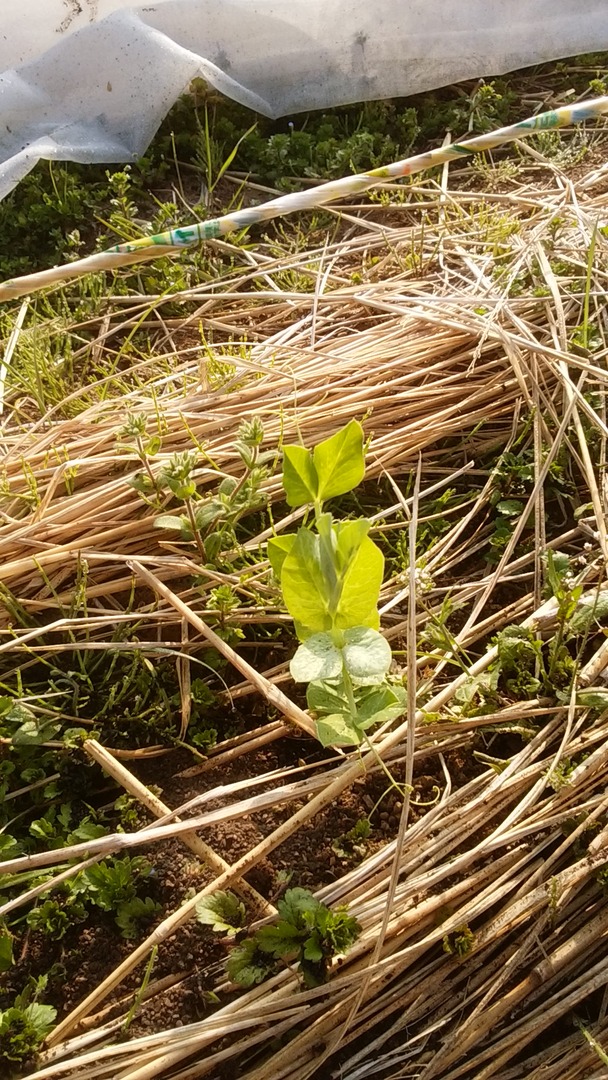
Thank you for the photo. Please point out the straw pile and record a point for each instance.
(446, 323)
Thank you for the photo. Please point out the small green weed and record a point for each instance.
(25, 1025)
(528, 664)
(112, 885)
(459, 942)
(562, 152)
(6, 946)
(597, 1048)
(307, 933)
(210, 522)
(54, 919)
(133, 435)
(134, 914)
(559, 776)
(484, 109)
(353, 844)
(513, 478)
(520, 655)
(222, 911)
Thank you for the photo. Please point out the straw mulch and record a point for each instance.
(447, 323)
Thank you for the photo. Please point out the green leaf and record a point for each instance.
(182, 489)
(358, 604)
(74, 737)
(23, 1028)
(222, 911)
(33, 730)
(9, 846)
(510, 507)
(247, 965)
(18, 713)
(317, 658)
(53, 920)
(381, 705)
(153, 445)
(349, 538)
(367, 655)
(558, 562)
(304, 586)
(337, 729)
(42, 829)
(278, 548)
(296, 903)
(109, 884)
(312, 950)
(596, 697)
(310, 583)
(41, 1017)
(299, 476)
(141, 482)
(227, 485)
(6, 949)
(170, 521)
(591, 609)
(245, 452)
(210, 511)
(281, 940)
(214, 543)
(323, 697)
(265, 457)
(131, 913)
(87, 830)
(339, 461)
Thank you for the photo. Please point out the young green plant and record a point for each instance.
(210, 521)
(24, 1026)
(330, 577)
(306, 932)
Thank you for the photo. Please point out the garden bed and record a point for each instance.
(461, 319)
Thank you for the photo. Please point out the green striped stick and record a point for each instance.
(170, 242)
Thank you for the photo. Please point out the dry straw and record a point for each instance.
(446, 338)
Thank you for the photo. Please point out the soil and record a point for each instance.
(190, 964)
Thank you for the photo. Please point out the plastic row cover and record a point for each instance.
(90, 80)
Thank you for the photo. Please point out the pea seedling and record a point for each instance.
(330, 577)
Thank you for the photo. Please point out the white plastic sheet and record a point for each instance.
(90, 80)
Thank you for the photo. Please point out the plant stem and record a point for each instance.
(248, 470)
(196, 533)
(350, 693)
(143, 457)
(391, 779)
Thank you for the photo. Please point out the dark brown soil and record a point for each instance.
(190, 964)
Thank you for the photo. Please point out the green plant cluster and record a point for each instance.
(113, 885)
(222, 911)
(513, 478)
(207, 520)
(132, 694)
(24, 1026)
(306, 933)
(210, 521)
(459, 942)
(530, 664)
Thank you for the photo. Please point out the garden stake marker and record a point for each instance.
(167, 243)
